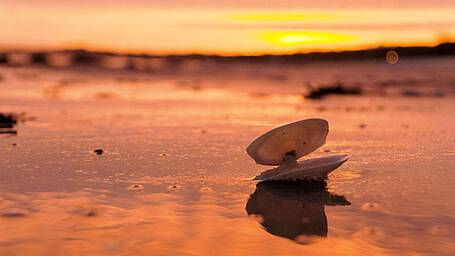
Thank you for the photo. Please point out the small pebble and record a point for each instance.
(362, 126)
(98, 151)
(174, 187)
(136, 187)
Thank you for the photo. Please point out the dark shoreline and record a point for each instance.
(84, 57)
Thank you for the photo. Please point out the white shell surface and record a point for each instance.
(299, 138)
(317, 168)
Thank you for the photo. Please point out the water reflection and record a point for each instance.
(293, 210)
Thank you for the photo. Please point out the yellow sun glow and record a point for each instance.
(292, 38)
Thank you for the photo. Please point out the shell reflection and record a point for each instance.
(293, 209)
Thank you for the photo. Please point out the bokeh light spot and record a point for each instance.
(392, 57)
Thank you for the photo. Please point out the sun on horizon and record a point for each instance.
(155, 28)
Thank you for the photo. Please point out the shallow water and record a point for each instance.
(171, 180)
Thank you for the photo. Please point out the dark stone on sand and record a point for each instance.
(98, 151)
(336, 89)
(7, 123)
(362, 126)
(7, 120)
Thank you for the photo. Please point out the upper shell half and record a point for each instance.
(299, 138)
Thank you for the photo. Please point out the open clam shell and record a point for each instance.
(311, 169)
(299, 139)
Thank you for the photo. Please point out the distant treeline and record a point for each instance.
(146, 62)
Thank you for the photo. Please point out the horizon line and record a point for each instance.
(133, 53)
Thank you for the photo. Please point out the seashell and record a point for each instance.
(298, 138)
(284, 145)
(311, 169)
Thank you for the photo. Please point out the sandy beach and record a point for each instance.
(171, 179)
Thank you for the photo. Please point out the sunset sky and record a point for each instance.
(223, 27)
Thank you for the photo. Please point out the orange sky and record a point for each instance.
(227, 28)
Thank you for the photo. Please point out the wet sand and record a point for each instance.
(170, 180)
